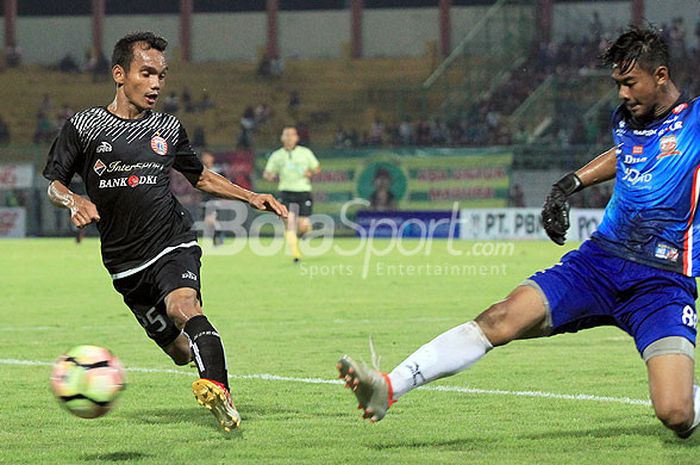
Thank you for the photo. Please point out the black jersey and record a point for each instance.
(125, 165)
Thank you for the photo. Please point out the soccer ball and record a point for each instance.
(86, 380)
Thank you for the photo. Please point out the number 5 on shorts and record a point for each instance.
(151, 319)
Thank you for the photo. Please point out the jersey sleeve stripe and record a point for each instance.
(688, 253)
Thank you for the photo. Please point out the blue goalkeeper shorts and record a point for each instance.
(591, 287)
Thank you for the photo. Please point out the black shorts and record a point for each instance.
(144, 292)
(302, 200)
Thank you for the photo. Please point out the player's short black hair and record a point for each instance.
(641, 46)
(124, 48)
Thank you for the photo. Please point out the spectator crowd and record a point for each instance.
(484, 122)
(487, 121)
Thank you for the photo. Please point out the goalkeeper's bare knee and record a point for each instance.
(521, 315)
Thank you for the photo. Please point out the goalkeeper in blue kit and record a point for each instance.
(637, 270)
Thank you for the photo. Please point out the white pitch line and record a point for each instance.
(548, 395)
(452, 389)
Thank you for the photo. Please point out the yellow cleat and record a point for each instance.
(216, 398)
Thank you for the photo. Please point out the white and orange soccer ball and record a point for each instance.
(87, 380)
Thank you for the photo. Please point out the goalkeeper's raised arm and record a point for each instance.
(555, 212)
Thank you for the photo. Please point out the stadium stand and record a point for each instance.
(345, 92)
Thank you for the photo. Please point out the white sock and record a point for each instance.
(449, 353)
(696, 405)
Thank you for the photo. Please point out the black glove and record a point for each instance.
(555, 212)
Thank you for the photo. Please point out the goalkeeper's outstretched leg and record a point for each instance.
(523, 314)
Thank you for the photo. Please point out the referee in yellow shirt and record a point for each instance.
(294, 166)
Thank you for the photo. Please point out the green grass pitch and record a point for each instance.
(277, 319)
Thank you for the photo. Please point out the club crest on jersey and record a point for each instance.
(159, 145)
(99, 167)
(668, 145)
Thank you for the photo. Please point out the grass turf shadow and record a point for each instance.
(649, 430)
(121, 456)
(195, 416)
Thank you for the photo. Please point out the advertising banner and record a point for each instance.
(522, 223)
(16, 176)
(416, 224)
(472, 224)
(407, 179)
(13, 222)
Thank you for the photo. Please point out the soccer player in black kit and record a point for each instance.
(124, 152)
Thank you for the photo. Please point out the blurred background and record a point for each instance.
(480, 104)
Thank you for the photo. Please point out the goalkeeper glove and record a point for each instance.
(555, 212)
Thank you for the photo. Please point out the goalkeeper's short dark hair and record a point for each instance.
(643, 46)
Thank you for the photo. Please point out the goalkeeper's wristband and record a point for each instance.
(569, 184)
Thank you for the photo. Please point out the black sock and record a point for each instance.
(207, 349)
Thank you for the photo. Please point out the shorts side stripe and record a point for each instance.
(167, 250)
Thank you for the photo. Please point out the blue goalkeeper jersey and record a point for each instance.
(651, 217)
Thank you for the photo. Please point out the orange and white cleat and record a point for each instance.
(216, 398)
(372, 388)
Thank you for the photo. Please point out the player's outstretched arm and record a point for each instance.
(555, 212)
(82, 210)
(217, 185)
(602, 168)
